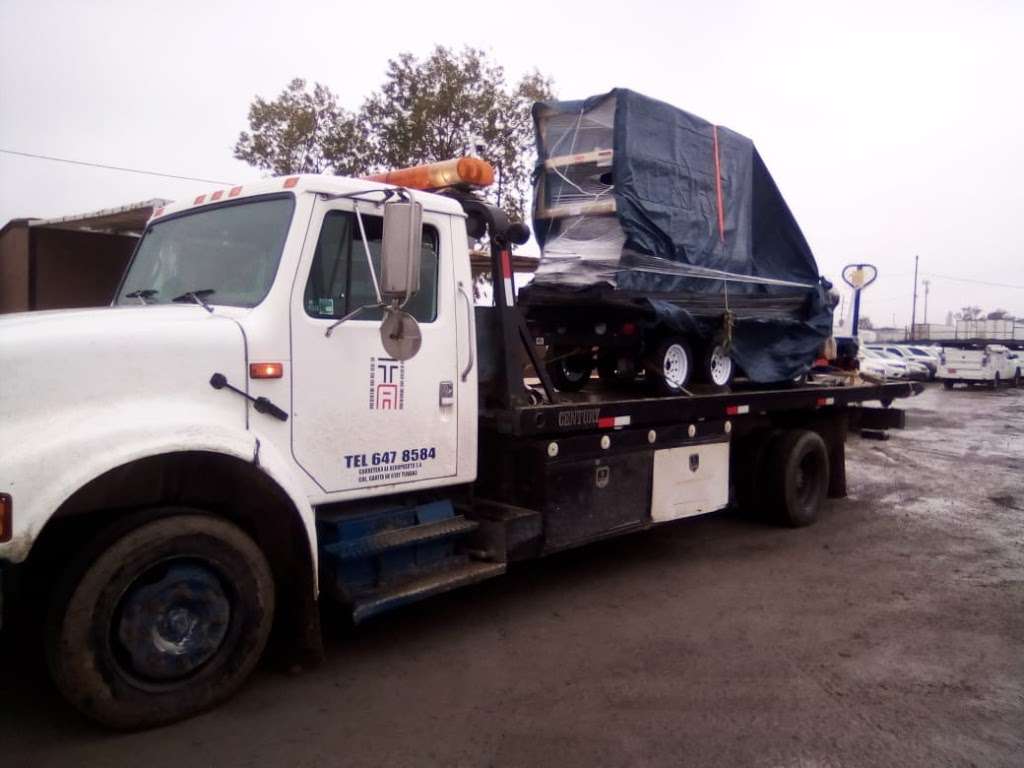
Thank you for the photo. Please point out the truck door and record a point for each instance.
(361, 419)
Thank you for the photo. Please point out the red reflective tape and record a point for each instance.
(199, 200)
(718, 187)
(506, 264)
(217, 195)
(606, 422)
(235, 192)
(826, 401)
(735, 410)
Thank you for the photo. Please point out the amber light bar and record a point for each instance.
(470, 171)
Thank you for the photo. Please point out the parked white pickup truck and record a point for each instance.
(991, 365)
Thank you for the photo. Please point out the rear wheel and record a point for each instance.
(716, 366)
(798, 477)
(947, 384)
(671, 365)
(160, 622)
(569, 369)
(616, 369)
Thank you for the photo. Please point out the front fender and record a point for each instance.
(43, 470)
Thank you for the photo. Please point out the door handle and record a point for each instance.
(469, 327)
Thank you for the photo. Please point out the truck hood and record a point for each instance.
(80, 364)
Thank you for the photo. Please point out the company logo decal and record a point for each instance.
(579, 417)
(387, 384)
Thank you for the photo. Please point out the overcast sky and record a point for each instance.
(892, 128)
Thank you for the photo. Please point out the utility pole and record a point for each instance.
(913, 306)
(926, 283)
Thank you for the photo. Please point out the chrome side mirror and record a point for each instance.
(400, 251)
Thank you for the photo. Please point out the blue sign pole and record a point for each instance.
(858, 277)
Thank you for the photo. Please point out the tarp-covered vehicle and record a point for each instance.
(670, 239)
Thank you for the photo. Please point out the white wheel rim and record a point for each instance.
(721, 366)
(675, 366)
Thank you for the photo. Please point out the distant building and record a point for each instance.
(71, 261)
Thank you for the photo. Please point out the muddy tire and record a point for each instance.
(750, 470)
(798, 477)
(160, 621)
(569, 371)
(670, 366)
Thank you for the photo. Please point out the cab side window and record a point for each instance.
(340, 282)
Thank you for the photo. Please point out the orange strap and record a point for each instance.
(718, 187)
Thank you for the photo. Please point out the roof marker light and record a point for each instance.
(471, 171)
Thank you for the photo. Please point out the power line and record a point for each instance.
(111, 167)
(971, 280)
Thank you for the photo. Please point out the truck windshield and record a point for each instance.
(230, 252)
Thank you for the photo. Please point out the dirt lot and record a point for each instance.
(890, 634)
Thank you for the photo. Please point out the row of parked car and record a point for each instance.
(985, 364)
(900, 361)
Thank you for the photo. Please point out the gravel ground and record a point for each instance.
(889, 634)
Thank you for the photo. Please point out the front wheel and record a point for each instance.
(160, 622)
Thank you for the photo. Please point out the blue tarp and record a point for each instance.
(680, 204)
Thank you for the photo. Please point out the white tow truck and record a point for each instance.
(294, 396)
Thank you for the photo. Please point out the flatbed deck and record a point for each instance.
(598, 408)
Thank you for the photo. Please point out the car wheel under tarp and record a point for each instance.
(670, 365)
(569, 368)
